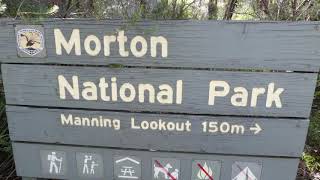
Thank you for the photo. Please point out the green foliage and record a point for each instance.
(4, 136)
(27, 8)
(286, 10)
(7, 169)
(311, 157)
(312, 162)
(315, 11)
(173, 9)
(313, 138)
(116, 65)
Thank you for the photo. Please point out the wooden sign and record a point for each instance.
(188, 44)
(168, 132)
(158, 100)
(157, 90)
(225, 167)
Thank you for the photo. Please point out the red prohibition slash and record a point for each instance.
(202, 169)
(165, 170)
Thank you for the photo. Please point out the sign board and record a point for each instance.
(207, 134)
(158, 90)
(222, 167)
(158, 100)
(190, 44)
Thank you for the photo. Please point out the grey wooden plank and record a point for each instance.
(192, 44)
(7, 41)
(278, 137)
(37, 85)
(272, 168)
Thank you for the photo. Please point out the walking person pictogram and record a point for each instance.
(93, 166)
(90, 165)
(85, 165)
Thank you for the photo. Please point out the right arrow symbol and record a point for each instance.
(257, 129)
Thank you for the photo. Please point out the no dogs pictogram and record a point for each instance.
(165, 168)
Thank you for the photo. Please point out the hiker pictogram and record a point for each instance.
(53, 162)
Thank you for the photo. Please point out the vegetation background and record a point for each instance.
(134, 10)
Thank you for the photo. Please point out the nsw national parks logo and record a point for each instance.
(30, 41)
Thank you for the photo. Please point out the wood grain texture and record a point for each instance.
(272, 168)
(37, 85)
(8, 43)
(279, 137)
(192, 44)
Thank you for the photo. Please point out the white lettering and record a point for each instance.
(240, 98)
(122, 39)
(274, 96)
(132, 92)
(165, 96)
(151, 91)
(74, 41)
(103, 89)
(164, 46)
(90, 91)
(255, 93)
(87, 45)
(161, 125)
(107, 41)
(213, 92)
(144, 46)
(72, 89)
(94, 121)
(139, 46)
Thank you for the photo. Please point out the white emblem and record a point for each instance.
(30, 41)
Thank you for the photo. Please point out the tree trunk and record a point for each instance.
(294, 9)
(89, 6)
(232, 4)
(264, 6)
(143, 8)
(213, 9)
